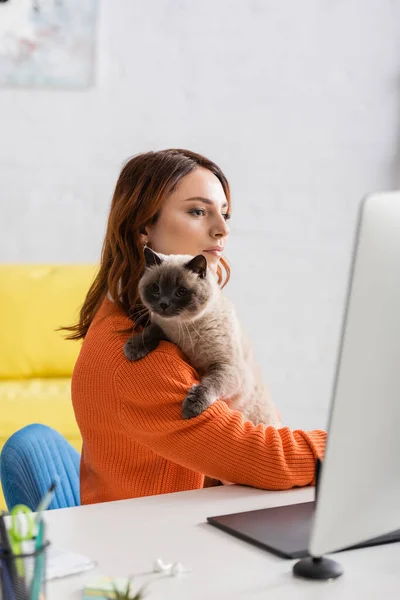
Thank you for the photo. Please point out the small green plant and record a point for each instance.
(126, 594)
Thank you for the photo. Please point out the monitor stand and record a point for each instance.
(317, 568)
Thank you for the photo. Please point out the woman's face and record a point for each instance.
(192, 219)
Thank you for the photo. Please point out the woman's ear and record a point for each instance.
(143, 236)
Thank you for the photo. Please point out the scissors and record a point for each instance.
(22, 529)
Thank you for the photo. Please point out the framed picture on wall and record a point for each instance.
(47, 43)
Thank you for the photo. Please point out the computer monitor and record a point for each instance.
(358, 492)
(359, 483)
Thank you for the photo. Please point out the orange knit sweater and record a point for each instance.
(135, 442)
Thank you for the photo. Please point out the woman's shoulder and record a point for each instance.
(170, 352)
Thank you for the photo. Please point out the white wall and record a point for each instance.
(298, 102)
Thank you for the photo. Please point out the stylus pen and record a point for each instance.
(44, 503)
(39, 563)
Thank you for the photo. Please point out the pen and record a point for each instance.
(39, 563)
(44, 503)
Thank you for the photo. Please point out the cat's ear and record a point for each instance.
(152, 259)
(198, 265)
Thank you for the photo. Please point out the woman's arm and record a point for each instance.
(218, 443)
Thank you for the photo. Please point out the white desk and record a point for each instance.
(126, 537)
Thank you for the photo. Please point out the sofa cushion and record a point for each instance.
(46, 401)
(35, 300)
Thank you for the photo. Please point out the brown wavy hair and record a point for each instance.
(143, 184)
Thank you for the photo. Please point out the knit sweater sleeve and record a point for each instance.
(218, 443)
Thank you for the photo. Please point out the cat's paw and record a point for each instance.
(134, 349)
(195, 402)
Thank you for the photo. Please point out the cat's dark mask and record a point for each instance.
(169, 291)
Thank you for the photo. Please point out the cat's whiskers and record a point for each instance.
(190, 337)
(141, 313)
(179, 334)
(197, 331)
(180, 329)
(199, 336)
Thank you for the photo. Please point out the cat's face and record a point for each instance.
(175, 285)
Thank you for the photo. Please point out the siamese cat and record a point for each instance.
(188, 308)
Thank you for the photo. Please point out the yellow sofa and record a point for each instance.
(36, 362)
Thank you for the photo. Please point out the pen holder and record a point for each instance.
(23, 576)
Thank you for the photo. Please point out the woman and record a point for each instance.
(135, 441)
